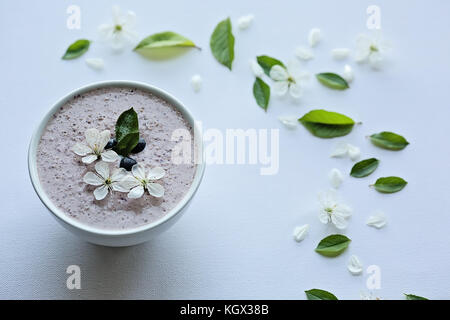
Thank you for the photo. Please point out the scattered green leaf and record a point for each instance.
(414, 297)
(389, 140)
(261, 92)
(167, 39)
(327, 124)
(267, 63)
(333, 245)
(318, 294)
(332, 80)
(222, 43)
(76, 49)
(127, 132)
(364, 168)
(389, 184)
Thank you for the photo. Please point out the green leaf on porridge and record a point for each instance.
(222, 43)
(318, 294)
(267, 63)
(76, 49)
(261, 92)
(389, 140)
(167, 39)
(127, 132)
(414, 297)
(333, 245)
(332, 80)
(364, 168)
(389, 184)
(327, 124)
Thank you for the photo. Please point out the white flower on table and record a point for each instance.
(371, 50)
(288, 79)
(94, 148)
(333, 211)
(121, 31)
(117, 181)
(143, 181)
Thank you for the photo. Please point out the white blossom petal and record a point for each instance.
(81, 149)
(156, 173)
(314, 37)
(324, 217)
(355, 266)
(362, 52)
(105, 31)
(336, 178)
(103, 139)
(301, 232)
(126, 184)
(116, 14)
(376, 60)
(354, 152)
(89, 159)
(109, 156)
(136, 192)
(92, 179)
(280, 88)
(291, 122)
(101, 192)
(378, 220)
(130, 19)
(304, 53)
(138, 172)
(256, 68)
(196, 82)
(328, 199)
(95, 63)
(102, 169)
(278, 73)
(245, 21)
(92, 137)
(343, 210)
(348, 73)
(119, 174)
(340, 53)
(155, 189)
(340, 150)
(295, 90)
(339, 221)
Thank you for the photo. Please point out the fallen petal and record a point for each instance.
(304, 53)
(336, 177)
(378, 220)
(301, 232)
(355, 266)
(314, 37)
(340, 53)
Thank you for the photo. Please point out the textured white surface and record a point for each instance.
(236, 239)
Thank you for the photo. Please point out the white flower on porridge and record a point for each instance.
(288, 79)
(333, 211)
(117, 181)
(94, 148)
(121, 31)
(142, 181)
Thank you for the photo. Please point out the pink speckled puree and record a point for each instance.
(61, 171)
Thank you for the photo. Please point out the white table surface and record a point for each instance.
(235, 240)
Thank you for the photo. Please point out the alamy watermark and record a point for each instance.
(74, 279)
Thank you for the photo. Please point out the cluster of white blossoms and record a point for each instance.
(120, 180)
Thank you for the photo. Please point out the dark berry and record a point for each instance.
(140, 146)
(127, 163)
(111, 143)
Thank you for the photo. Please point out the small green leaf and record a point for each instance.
(76, 49)
(222, 43)
(127, 132)
(267, 63)
(414, 297)
(261, 92)
(332, 80)
(327, 124)
(364, 168)
(164, 40)
(389, 184)
(333, 245)
(318, 294)
(389, 140)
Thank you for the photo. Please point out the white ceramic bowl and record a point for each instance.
(114, 238)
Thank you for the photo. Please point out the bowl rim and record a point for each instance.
(60, 214)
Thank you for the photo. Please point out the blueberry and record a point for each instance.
(111, 143)
(127, 163)
(140, 146)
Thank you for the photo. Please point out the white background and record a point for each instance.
(235, 240)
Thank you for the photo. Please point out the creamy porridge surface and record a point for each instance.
(61, 171)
